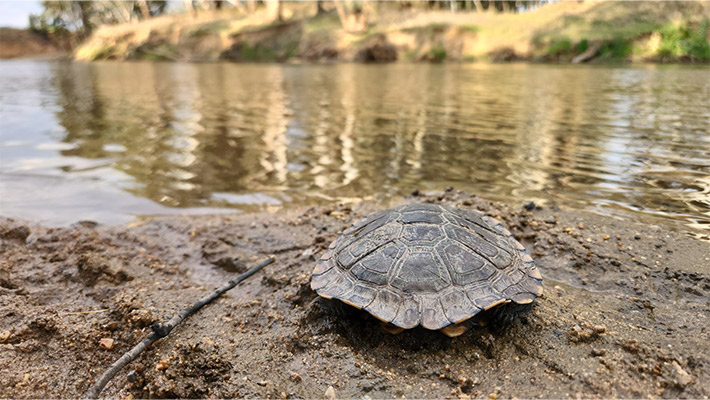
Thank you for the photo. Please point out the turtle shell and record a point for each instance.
(428, 265)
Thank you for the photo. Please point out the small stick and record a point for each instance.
(83, 312)
(161, 330)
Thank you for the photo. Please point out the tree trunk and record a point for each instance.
(143, 6)
(84, 7)
(273, 10)
(342, 15)
(251, 6)
(319, 7)
(479, 5)
(189, 7)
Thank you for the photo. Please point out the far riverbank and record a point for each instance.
(564, 32)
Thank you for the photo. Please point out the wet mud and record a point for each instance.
(625, 312)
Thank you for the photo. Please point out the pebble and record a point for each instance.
(106, 343)
(262, 383)
(295, 376)
(112, 326)
(683, 379)
(598, 352)
(162, 365)
(19, 233)
(330, 393)
(4, 335)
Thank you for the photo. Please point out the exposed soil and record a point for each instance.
(625, 312)
(23, 43)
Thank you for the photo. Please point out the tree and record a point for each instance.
(84, 16)
(351, 16)
(273, 10)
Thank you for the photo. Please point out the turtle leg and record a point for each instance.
(507, 313)
(460, 328)
(389, 328)
(333, 307)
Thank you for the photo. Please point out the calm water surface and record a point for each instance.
(109, 141)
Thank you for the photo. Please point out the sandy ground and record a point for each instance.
(625, 313)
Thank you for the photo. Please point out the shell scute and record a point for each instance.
(433, 316)
(419, 272)
(385, 306)
(408, 315)
(457, 306)
(359, 296)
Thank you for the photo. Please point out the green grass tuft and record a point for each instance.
(560, 47)
(437, 54)
(617, 48)
(684, 41)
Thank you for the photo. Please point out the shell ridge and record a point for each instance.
(497, 244)
(488, 260)
(441, 262)
(463, 215)
(381, 245)
(394, 271)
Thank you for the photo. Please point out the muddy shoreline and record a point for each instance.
(625, 312)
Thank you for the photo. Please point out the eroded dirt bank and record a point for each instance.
(625, 313)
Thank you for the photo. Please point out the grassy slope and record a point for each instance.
(639, 31)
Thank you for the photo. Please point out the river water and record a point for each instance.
(110, 141)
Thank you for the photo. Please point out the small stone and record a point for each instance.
(607, 237)
(4, 335)
(598, 352)
(162, 365)
(112, 326)
(683, 379)
(529, 206)
(131, 376)
(18, 233)
(493, 395)
(330, 393)
(262, 383)
(599, 328)
(295, 376)
(106, 343)
(580, 225)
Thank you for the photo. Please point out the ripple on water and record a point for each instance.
(632, 142)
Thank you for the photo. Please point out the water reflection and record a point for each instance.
(631, 142)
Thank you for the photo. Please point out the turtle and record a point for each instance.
(429, 265)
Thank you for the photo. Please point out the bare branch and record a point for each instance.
(161, 330)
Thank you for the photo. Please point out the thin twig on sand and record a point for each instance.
(161, 330)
